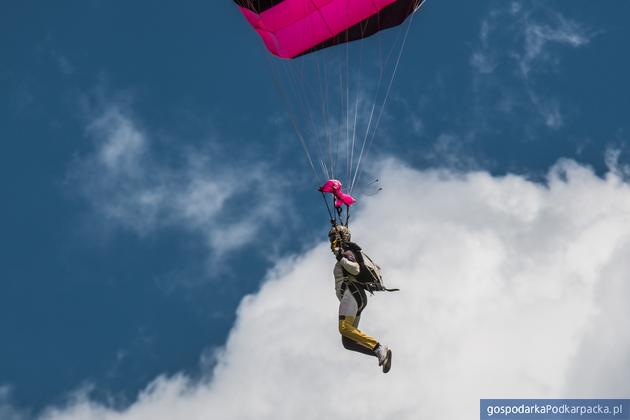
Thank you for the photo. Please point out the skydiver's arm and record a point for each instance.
(349, 263)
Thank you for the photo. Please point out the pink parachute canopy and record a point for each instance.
(333, 186)
(290, 28)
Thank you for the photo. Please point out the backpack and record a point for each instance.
(369, 272)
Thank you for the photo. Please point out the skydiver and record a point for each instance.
(353, 299)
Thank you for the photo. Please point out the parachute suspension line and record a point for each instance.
(356, 104)
(294, 122)
(320, 138)
(354, 132)
(322, 102)
(340, 122)
(389, 87)
(391, 81)
(378, 88)
(323, 85)
(322, 164)
(328, 85)
(309, 97)
(344, 127)
(367, 130)
(317, 98)
(348, 167)
(291, 110)
(317, 95)
(339, 137)
(383, 65)
(299, 91)
(306, 88)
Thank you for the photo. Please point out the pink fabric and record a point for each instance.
(333, 186)
(294, 26)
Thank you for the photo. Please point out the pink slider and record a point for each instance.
(333, 186)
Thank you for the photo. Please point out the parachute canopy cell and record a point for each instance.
(290, 28)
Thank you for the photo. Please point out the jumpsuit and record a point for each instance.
(352, 301)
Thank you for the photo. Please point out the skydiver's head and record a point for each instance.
(337, 235)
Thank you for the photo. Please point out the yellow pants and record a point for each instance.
(348, 328)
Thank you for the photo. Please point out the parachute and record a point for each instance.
(290, 28)
(335, 90)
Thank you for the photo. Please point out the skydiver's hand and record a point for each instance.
(339, 254)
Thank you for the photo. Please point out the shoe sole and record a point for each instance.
(387, 364)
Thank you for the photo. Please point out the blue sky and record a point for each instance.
(139, 141)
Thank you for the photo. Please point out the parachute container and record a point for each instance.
(290, 28)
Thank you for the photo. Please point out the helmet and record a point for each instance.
(339, 232)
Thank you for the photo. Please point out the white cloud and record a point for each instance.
(509, 289)
(612, 157)
(548, 109)
(516, 44)
(483, 63)
(130, 187)
(538, 37)
(64, 65)
(514, 31)
(483, 59)
(450, 150)
(7, 411)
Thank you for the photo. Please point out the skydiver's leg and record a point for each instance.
(352, 303)
(353, 345)
(354, 339)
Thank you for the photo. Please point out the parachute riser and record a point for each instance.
(330, 214)
(338, 217)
